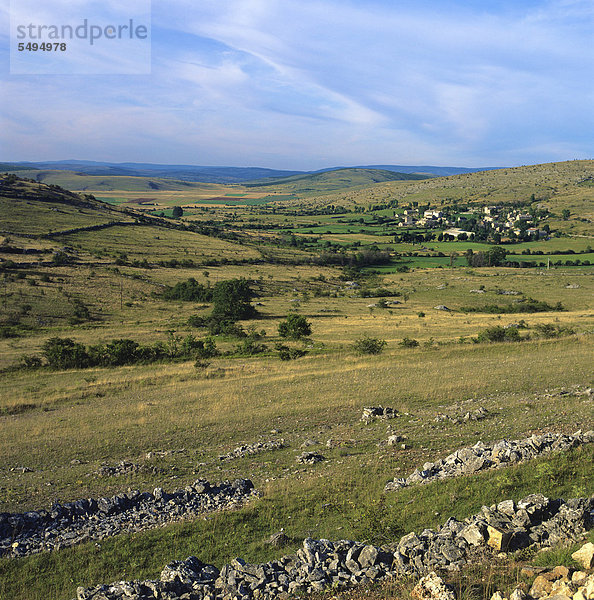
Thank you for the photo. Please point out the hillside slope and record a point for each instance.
(74, 180)
(338, 179)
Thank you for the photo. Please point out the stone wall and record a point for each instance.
(321, 564)
(480, 457)
(67, 524)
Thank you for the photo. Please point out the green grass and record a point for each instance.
(339, 506)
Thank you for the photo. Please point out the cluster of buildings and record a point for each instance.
(488, 219)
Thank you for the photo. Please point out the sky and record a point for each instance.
(309, 84)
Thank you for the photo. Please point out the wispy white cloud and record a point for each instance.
(293, 84)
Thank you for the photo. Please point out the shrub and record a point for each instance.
(197, 321)
(499, 334)
(287, 353)
(65, 353)
(369, 345)
(294, 327)
(549, 330)
(189, 291)
(409, 343)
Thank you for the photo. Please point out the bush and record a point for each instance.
(409, 343)
(369, 345)
(499, 334)
(549, 330)
(294, 327)
(189, 291)
(287, 353)
(65, 353)
(206, 348)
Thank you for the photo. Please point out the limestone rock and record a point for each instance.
(585, 556)
(433, 587)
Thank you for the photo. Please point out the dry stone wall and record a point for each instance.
(480, 457)
(321, 564)
(70, 523)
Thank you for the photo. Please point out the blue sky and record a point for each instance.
(315, 83)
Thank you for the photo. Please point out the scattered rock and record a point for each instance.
(441, 307)
(250, 449)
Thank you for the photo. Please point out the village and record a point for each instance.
(496, 223)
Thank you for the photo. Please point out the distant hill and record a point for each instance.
(209, 174)
(75, 180)
(179, 172)
(332, 180)
(428, 170)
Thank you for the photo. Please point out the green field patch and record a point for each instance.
(112, 200)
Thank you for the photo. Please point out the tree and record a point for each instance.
(565, 214)
(294, 327)
(232, 300)
(496, 255)
(177, 212)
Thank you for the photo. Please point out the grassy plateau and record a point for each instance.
(58, 426)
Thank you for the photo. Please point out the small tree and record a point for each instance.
(177, 212)
(232, 300)
(294, 327)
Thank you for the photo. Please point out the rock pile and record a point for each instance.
(370, 413)
(560, 583)
(125, 468)
(67, 524)
(475, 415)
(310, 458)
(481, 457)
(249, 449)
(319, 564)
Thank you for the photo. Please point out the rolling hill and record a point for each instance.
(212, 174)
(333, 180)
